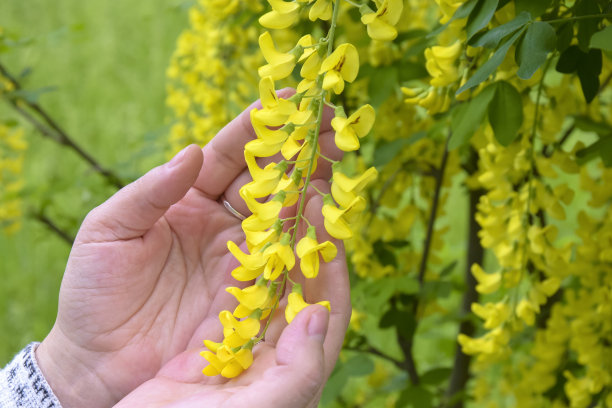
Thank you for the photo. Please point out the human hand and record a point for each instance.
(145, 278)
(289, 374)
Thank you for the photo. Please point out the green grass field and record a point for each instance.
(106, 62)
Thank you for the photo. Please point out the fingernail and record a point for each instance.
(178, 158)
(317, 325)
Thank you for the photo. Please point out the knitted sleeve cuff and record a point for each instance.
(22, 384)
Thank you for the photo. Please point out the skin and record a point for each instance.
(144, 285)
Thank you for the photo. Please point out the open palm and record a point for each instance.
(144, 282)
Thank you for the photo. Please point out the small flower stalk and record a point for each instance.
(290, 128)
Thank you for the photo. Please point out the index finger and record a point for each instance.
(224, 154)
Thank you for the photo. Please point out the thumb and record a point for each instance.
(299, 374)
(134, 209)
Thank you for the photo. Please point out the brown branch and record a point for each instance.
(475, 254)
(409, 365)
(53, 130)
(406, 344)
(374, 351)
(439, 176)
(51, 225)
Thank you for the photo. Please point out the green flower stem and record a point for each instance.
(330, 47)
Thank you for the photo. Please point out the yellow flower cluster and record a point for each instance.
(12, 151)
(521, 216)
(211, 74)
(290, 128)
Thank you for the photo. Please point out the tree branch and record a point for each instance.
(439, 176)
(374, 351)
(406, 344)
(53, 131)
(51, 225)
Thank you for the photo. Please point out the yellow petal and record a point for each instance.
(244, 357)
(381, 30)
(232, 370)
(278, 21)
(362, 120)
(322, 9)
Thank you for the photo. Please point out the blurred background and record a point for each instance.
(97, 68)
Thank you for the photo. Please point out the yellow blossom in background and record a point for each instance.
(13, 147)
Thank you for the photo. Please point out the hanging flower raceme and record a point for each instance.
(291, 127)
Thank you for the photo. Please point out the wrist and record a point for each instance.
(73, 379)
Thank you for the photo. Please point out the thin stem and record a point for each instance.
(353, 3)
(315, 141)
(575, 18)
(532, 136)
(331, 105)
(377, 353)
(317, 190)
(49, 223)
(434, 209)
(332, 161)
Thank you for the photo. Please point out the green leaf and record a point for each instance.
(383, 82)
(565, 35)
(586, 27)
(386, 152)
(436, 376)
(385, 256)
(506, 113)
(589, 69)
(409, 71)
(480, 16)
(357, 366)
(462, 12)
(467, 117)
(534, 7)
(415, 397)
(436, 290)
(485, 71)
(602, 39)
(568, 61)
(587, 124)
(410, 34)
(540, 39)
(492, 38)
(601, 148)
(448, 269)
(34, 95)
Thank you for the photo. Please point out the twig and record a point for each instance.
(406, 344)
(371, 350)
(54, 131)
(434, 210)
(49, 223)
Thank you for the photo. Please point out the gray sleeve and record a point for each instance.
(22, 384)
